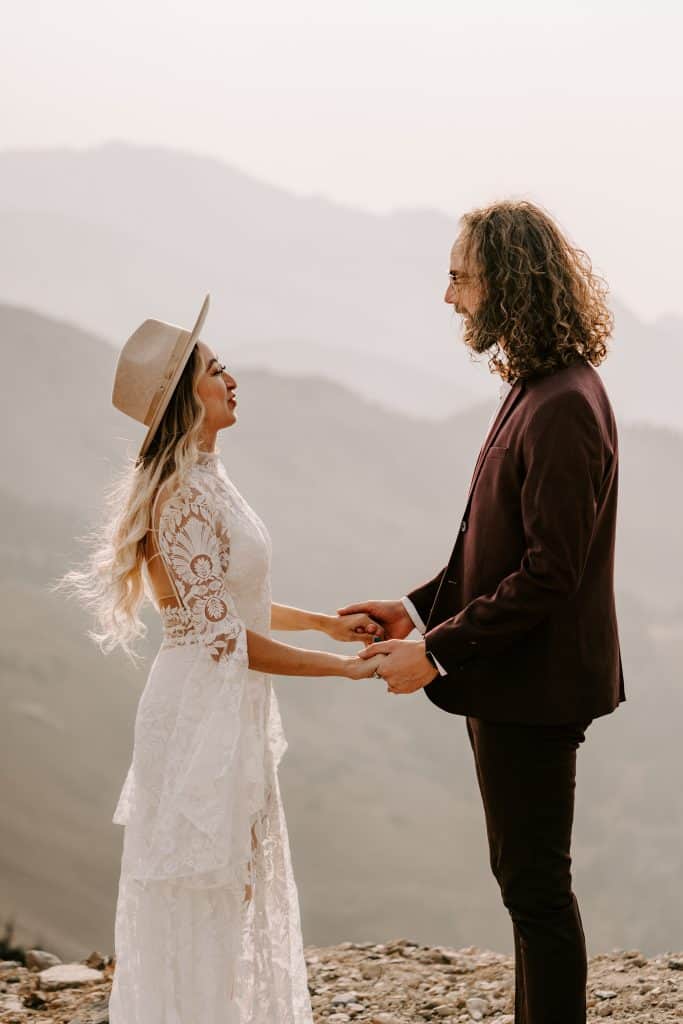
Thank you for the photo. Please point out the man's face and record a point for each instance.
(464, 290)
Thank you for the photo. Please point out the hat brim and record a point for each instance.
(172, 384)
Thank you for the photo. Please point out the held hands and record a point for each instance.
(363, 668)
(403, 664)
(390, 615)
(358, 627)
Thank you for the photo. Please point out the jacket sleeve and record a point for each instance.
(194, 544)
(565, 460)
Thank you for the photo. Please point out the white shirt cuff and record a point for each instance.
(420, 626)
(442, 670)
(414, 614)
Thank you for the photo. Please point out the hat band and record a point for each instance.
(167, 379)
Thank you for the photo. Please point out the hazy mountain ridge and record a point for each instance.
(110, 235)
(278, 444)
(346, 489)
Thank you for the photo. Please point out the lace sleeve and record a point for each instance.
(194, 543)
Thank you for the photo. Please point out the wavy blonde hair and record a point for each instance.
(540, 293)
(110, 582)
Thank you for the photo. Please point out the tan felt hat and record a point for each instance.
(149, 367)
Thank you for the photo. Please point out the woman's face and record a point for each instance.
(216, 389)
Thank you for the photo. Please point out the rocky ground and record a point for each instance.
(398, 982)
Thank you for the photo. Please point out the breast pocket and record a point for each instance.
(498, 479)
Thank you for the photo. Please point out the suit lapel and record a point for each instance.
(508, 404)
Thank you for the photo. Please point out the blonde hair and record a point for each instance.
(110, 582)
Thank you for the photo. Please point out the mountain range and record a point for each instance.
(385, 819)
(107, 236)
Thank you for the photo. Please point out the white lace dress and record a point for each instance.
(207, 920)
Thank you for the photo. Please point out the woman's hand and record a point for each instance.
(359, 628)
(359, 668)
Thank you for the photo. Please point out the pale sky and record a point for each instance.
(384, 104)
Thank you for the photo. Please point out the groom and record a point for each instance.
(519, 629)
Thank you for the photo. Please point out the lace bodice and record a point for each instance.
(214, 743)
(217, 553)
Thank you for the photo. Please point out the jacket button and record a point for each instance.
(463, 526)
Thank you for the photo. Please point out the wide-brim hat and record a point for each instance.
(149, 367)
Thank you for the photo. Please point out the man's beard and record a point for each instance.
(474, 339)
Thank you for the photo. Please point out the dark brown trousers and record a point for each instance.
(527, 776)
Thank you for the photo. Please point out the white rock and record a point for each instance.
(68, 976)
(345, 997)
(9, 965)
(41, 958)
(477, 1008)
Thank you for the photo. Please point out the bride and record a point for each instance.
(207, 920)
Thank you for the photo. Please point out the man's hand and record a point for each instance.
(391, 615)
(406, 667)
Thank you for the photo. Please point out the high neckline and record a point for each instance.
(208, 458)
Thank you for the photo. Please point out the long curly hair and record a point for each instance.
(110, 583)
(541, 297)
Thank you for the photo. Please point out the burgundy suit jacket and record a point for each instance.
(522, 618)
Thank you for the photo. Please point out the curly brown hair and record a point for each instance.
(540, 294)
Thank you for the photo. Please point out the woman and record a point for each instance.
(207, 919)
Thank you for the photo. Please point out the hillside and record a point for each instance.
(360, 502)
(107, 236)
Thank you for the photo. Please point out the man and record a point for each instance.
(519, 629)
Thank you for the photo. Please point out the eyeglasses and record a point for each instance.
(457, 277)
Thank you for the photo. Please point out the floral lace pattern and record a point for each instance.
(207, 917)
(195, 544)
